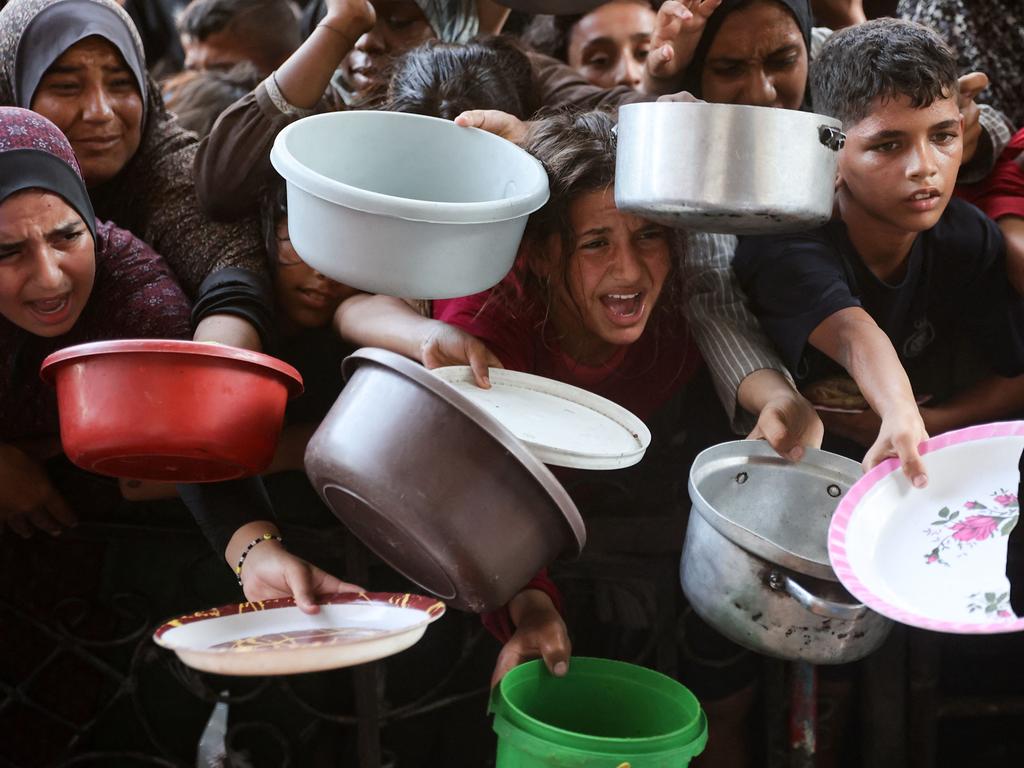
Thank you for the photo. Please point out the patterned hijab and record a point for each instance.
(454, 21)
(35, 33)
(34, 154)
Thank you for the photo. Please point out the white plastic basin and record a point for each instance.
(406, 205)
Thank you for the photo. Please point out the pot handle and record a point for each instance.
(831, 137)
(816, 605)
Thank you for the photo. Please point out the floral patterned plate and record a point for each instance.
(273, 637)
(935, 558)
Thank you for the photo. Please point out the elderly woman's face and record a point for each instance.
(757, 58)
(400, 27)
(47, 262)
(93, 97)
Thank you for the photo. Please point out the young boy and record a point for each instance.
(902, 279)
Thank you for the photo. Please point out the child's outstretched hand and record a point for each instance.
(271, 571)
(540, 632)
(448, 345)
(900, 436)
(677, 31)
(789, 423)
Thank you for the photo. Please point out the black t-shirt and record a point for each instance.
(955, 290)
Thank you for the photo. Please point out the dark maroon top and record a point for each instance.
(135, 296)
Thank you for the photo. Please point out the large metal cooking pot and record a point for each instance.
(755, 561)
(436, 487)
(727, 167)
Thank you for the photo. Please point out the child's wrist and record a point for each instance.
(529, 602)
(241, 538)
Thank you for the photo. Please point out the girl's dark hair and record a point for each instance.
(578, 152)
(197, 99)
(445, 79)
(273, 207)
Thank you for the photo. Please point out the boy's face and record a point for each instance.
(899, 164)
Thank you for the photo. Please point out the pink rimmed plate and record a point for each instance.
(935, 558)
(273, 637)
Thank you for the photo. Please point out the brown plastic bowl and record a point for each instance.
(436, 487)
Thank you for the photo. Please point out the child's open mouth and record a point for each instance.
(925, 199)
(624, 308)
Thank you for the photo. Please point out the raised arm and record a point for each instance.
(232, 166)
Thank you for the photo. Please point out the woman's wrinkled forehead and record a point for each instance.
(35, 33)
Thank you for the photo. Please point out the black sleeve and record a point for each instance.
(991, 309)
(794, 283)
(223, 508)
(239, 292)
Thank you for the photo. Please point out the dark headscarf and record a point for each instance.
(800, 9)
(34, 154)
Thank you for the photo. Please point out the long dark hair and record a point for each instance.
(445, 79)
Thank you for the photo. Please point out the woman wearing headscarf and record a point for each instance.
(65, 278)
(81, 64)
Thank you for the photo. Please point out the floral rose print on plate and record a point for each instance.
(935, 557)
(954, 531)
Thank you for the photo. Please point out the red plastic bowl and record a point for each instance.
(180, 411)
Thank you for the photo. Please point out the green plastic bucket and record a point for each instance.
(602, 714)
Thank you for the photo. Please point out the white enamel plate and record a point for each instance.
(935, 558)
(562, 425)
(273, 637)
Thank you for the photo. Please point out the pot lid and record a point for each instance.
(772, 507)
(562, 425)
(488, 423)
(209, 349)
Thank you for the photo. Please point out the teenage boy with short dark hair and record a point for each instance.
(890, 286)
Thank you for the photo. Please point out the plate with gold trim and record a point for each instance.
(274, 637)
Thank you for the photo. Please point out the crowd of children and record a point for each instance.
(136, 208)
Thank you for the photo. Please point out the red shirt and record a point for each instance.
(1002, 192)
(640, 377)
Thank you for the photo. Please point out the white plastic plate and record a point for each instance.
(273, 637)
(562, 425)
(935, 558)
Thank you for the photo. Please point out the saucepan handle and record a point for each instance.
(816, 605)
(831, 137)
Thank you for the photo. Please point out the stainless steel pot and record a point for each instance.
(755, 561)
(727, 167)
(437, 487)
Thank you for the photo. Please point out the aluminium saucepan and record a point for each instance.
(727, 167)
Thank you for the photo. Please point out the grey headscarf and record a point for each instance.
(55, 28)
(454, 21)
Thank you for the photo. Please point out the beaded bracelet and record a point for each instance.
(245, 553)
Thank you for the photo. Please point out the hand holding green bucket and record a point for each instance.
(602, 714)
